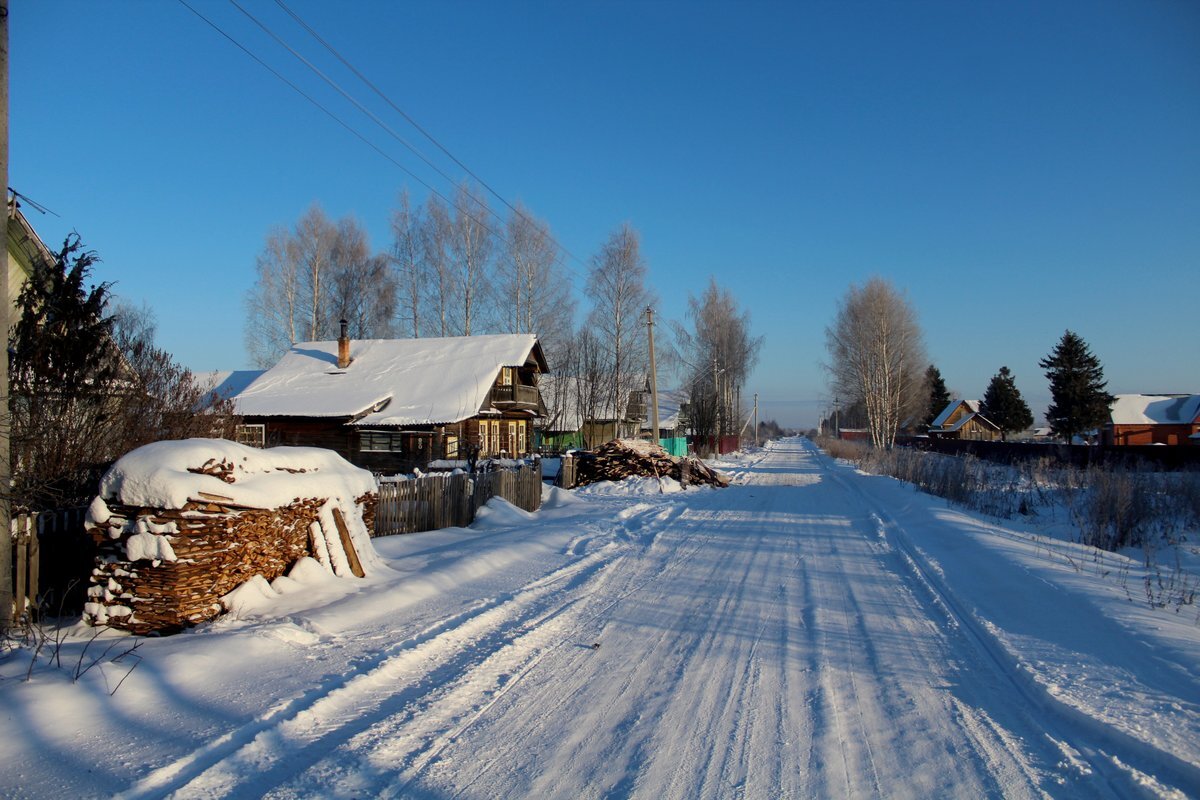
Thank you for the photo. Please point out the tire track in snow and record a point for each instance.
(1069, 731)
(292, 726)
(410, 733)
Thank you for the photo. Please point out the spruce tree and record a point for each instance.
(939, 396)
(1003, 404)
(1078, 400)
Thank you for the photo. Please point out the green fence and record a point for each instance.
(676, 446)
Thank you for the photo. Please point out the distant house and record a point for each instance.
(582, 413)
(390, 405)
(1172, 419)
(961, 419)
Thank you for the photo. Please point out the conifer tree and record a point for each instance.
(1003, 404)
(939, 396)
(1078, 400)
(63, 368)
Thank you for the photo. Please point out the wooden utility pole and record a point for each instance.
(653, 375)
(756, 419)
(6, 589)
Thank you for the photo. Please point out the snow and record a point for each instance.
(389, 382)
(810, 631)
(1146, 409)
(158, 475)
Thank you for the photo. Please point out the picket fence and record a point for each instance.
(443, 501)
(47, 540)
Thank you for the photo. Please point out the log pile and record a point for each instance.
(625, 458)
(216, 547)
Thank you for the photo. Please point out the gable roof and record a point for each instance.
(972, 407)
(389, 382)
(1155, 409)
(951, 407)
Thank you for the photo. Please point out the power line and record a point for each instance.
(342, 122)
(415, 124)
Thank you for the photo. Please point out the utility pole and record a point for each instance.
(653, 375)
(716, 401)
(6, 587)
(756, 419)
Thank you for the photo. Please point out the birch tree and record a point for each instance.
(273, 303)
(471, 244)
(617, 288)
(409, 264)
(435, 249)
(314, 241)
(308, 279)
(876, 356)
(533, 289)
(718, 354)
(362, 286)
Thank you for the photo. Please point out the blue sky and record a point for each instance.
(1018, 168)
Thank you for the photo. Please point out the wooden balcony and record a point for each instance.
(516, 395)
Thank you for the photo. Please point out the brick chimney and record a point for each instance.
(343, 347)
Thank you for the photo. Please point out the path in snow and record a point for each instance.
(781, 638)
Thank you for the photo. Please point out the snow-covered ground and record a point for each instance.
(808, 632)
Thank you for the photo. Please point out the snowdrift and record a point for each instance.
(179, 525)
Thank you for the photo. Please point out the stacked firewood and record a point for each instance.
(624, 458)
(202, 552)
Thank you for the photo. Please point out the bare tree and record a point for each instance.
(877, 356)
(533, 289)
(362, 286)
(311, 277)
(410, 264)
(435, 247)
(617, 287)
(719, 354)
(471, 244)
(314, 242)
(273, 303)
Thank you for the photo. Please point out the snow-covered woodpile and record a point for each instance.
(179, 525)
(624, 458)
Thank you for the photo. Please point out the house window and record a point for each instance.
(451, 447)
(489, 437)
(251, 435)
(381, 442)
(506, 376)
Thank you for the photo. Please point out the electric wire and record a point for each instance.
(343, 123)
(370, 85)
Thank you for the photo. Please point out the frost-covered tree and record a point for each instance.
(1003, 404)
(1079, 402)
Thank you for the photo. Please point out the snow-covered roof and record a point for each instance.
(227, 383)
(670, 401)
(561, 394)
(389, 382)
(1155, 409)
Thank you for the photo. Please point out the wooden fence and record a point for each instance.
(52, 557)
(438, 501)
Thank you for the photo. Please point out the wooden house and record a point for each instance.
(391, 405)
(961, 419)
(582, 413)
(1135, 419)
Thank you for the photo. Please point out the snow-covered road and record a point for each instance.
(808, 632)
